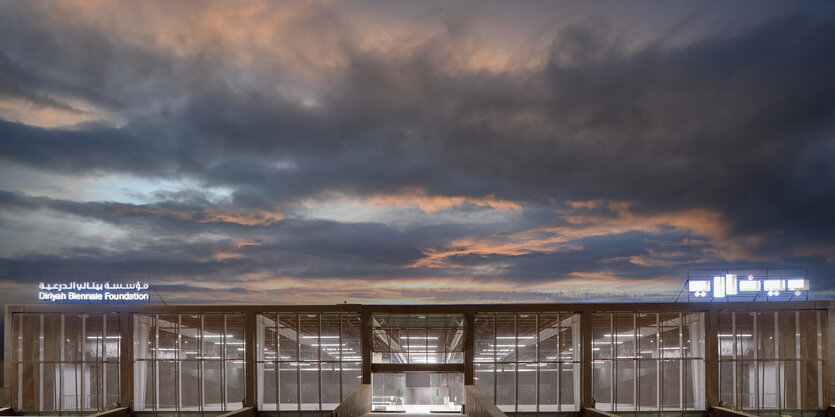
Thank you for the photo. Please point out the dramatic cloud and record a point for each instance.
(431, 152)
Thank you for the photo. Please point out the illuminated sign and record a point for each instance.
(94, 291)
(750, 286)
(733, 286)
(730, 284)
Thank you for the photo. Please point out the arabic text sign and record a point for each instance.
(94, 291)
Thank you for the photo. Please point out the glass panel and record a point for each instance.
(647, 330)
(235, 336)
(91, 384)
(330, 386)
(111, 390)
(190, 330)
(526, 331)
(483, 349)
(602, 384)
(351, 348)
(727, 384)
(769, 384)
(810, 341)
(526, 373)
(112, 338)
(624, 335)
(747, 385)
(72, 338)
(330, 343)
(726, 335)
(93, 337)
(569, 338)
(506, 385)
(505, 337)
(416, 344)
(484, 373)
(570, 387)
(50, 387)
(235, 383)
(212, 385)
(454, 345)
(766, 336)
(309, 379)
(791, 383)
(548, 337)
(625, 385)
(190, 395)
(51, 345)
(213, 337)
(670, 330)
(694, 382)
(143, 395)
(602, 341)
(549, 387)
(648, 384)
(671, 385)
(811, 386)
(288, 345)
(267, 338)
(745, 341)
(351, 377)
(167, 380)
(268, 388)
(693, 334)
(436, 338)
(288, 386)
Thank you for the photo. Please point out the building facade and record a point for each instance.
(767, 358)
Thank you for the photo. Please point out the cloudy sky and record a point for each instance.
(379, 151)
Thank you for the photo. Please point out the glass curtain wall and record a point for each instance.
(772, 359)
(65, 362)
(417, 338)
(528, 362)
(307, 361)
(188, 362)
(648, 361)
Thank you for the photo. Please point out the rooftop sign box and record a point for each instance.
(726, 285)
(104, 292)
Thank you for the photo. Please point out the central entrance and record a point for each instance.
(417, 392)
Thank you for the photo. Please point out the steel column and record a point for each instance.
(469, 337)
(250, 365)
(126, 359)
(366, 335)
(712, 359)
(586, 400)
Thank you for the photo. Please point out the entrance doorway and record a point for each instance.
(417, 392)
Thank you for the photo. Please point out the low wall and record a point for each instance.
(477, 404)
(726, 412)
(116, 412)
(356, 404)
(593, 412)
(241, 412)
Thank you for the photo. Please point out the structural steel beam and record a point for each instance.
(586, 399)
(469, 338)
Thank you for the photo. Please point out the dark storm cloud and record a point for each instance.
(737, 122)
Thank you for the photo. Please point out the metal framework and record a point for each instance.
(712, 312)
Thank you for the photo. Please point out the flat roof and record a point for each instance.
(421, 308)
